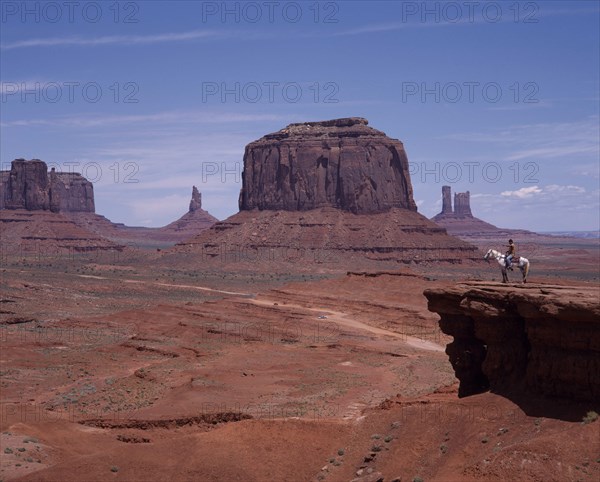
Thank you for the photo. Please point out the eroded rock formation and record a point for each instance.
(459, 221)
(462, 204)
(196, 201)
(29, 186)
(446, 200)
(337, 191)
(539, 339)
(342, 163)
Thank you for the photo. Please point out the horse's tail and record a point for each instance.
(526, 269)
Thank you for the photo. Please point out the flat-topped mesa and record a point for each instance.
(28, 185)
(339, 163)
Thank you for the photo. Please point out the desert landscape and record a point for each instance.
(325, 332)
(268, 241)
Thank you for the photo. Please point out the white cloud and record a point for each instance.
(126, 39)
(563, 189)
(522, 193)
(539, 208)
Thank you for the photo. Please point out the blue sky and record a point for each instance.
(498, 98)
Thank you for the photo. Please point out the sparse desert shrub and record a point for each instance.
(376, 448)
(590, 417)
(443, 448)
(114, 468)
(417, 479)
(341, 452)
(8, 450)
(388, 439)
(375, 436)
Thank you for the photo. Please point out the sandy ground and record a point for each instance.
(137, 372)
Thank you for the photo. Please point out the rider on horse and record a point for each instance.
(510, 254)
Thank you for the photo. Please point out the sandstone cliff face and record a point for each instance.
(539, 339)
(29, 186)
(341, 163)
(71, 192)
(26, 186)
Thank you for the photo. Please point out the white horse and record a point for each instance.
(521, 262)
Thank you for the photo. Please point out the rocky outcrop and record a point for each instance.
(337, 193)
(460, 222)
(29, 186)
(196, 201)
(341, 163)
(542, 340)
(71, 192)
(462, 204)
(446, 200)
(25, 186)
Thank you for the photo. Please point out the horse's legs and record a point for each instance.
(504, 276)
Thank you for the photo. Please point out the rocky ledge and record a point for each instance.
(536, 339)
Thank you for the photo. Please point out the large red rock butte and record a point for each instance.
(43, 211)
(28, 185)
(336, 186)
(34, 209)
(341, 163)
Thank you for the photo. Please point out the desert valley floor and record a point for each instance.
(129, 367)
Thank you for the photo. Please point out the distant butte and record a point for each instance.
(28, 185)
(58, 209)
(459, 220)
(340, 163)
(335, 186)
